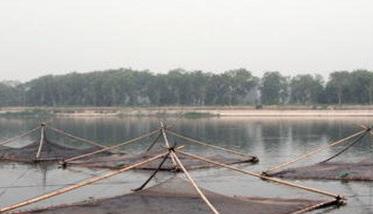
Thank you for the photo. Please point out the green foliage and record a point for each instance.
(274, 88)
(306, 89)
(127, 87)
(350, 87)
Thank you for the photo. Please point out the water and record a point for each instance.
(272, 140)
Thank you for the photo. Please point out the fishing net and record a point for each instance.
(359, 171)
(351, 167)
(49, 151)
(119, 161)
(178, 196)
(210, 151)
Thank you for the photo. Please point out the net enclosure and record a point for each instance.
(43, 149)
(332, 168)
(119, 161)
(100, 156)
(359, 171)
(162, 140)
(177, 195)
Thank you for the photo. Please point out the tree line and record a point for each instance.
(127, 87)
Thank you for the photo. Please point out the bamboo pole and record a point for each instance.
(41, 143)
(276, 180)
(368, 128)
(19, 136)
(204, 198)
(167, 144)
(312, 152)
(111, 147)
(357, 140)
(77, 138)
(78, 185)
(188, 139)
(317, 206)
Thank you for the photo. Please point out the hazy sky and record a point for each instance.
(39, 37)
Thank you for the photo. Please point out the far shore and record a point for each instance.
(194, 112)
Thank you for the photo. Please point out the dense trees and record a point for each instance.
(126, 87)
(306, 89)
(274, 88)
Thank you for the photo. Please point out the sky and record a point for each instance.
(42, 37)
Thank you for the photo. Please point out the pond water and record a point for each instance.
(273, 140)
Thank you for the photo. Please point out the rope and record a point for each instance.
(61, 185)
(78, 185)
(204, 198)
(76, 137)
(111, 147)
(20, 136)
(357, 140)
(312, 152)
(276, 180)
(154, 142)
(188, 139)
(153, 174)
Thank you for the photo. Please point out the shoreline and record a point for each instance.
(191, 112)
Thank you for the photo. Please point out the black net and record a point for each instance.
(178, 196)
(343, 162)
(49, 151)
(359, 171)
(119, 161)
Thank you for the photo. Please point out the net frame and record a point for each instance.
(327, 170)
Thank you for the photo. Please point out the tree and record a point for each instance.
(127, 87)
(361, 86)
(338, 86)
(306, 89)
(274, 88)
(240, 82)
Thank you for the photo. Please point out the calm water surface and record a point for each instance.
(272, 140)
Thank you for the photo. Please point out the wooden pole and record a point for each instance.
(111, 147)
(41, 143)
(368, 128)
(204, 198)
(357, 140)
(276, 180)
(174, 164)
(312, 152)
(188, 139)
(19, 136)
(79, 185)
(319, 205)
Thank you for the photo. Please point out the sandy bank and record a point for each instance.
(240, 111)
